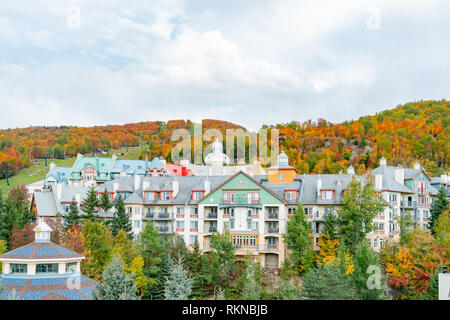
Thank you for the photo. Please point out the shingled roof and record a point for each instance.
(40, 250)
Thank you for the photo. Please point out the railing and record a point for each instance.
(211, 215)
(210, 229)
(159, 216)
(163, 229)
(273, 216)
(238, 201)
(272, 230)
(408, 204)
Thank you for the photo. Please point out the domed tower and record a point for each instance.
(217, 157)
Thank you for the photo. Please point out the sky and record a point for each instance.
(252, 62)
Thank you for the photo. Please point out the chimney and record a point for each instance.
(79, 156)
(78, 198)
(207, 186)
(176, 187)
(145, 184)
(319, 186)
(52, 165)
(400, 175)
(114, 157)
(350, 170)
(137, 181)
(115, 186)
(123, 174)
(378, 182)
(163, 161)
(338, 183)
(416, 165)
(184, 162)
(382, 161)
(59, 191)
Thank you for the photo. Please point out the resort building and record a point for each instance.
(43, 270)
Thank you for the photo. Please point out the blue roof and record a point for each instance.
(41, 250)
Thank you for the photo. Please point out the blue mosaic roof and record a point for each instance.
(41, 250)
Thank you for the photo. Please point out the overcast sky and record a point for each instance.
(251, 62)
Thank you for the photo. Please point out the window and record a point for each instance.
(254, 224)
(165, 195)
(180, 210)
(66, 208)
(229, 197)
(308, 210)
(194, 224)
(136, 224)
(292, 210)
(180, 224)
(327, 194)
(137, 210)
(129, 210)
(71, 267)
(280, 176)
(329, 210)
(252, 197)
(193, 238)
(375, 243)
(47, 268)
(194, 210)
(18, 268)
(197, 195)
(291, 195)
(229, 211)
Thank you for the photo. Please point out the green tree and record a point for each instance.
(331, 226)
(91, 204)
(73, 216)
(359, 206)
(298, 239)
(105, 204)
(251, 289)
(121, 220)
(117, 285)
(327, 282)
(432, 292)
(157, 292)
(366, 263)
(5, 223)
(438, 205)
(287, 289)
(178, 285)
(222, 259)
(97, 248)
(3, 249)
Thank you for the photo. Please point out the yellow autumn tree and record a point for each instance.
(328, 250)
(136, 268)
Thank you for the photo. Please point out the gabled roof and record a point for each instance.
(248, 176)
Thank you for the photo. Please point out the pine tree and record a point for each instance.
(178, 285)
(105, 204)
(121, 219)
(5, 224)
(117, 284)
(251, 289)
(158, 292)
(298, 238)
(366, 263)
(327, 282)
(359, 206)
(73, 217)
(91, 204)
(222, 259)
(287, 289)
(440, 204)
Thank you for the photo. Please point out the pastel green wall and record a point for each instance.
(265, 197)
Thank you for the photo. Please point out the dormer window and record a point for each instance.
(165, 195)
(280, 176)
(290, 195)
(197, 195)
(326, 194)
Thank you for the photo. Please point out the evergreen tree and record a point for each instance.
(222, 259)
(158, 292)
(287, 289)
(298, 238)
(73, 217)
(121, 219)
(5, 223)
(360, 205)
(105, 204)
(251, 289)
(440, 204)
(178, 285)
(91, 204)
(117, 284)
(327, 282)
(432, 292)
(331, 226)
(364, 259)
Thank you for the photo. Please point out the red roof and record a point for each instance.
(178, 170)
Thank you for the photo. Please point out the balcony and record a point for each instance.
(210, 229)
(163, 229)
(408, 204)
(211, 215)
(272, 230)
(159, 216)
(272, 216)
(271, 247)
(240, 201)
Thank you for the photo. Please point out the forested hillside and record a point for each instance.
(413, 131)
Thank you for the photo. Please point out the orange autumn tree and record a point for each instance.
(332, 253)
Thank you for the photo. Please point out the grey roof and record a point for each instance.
(45, 204)
(388, 178)
(60, 174)
(309, 194)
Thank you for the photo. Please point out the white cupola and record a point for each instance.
(42, 232)
(283, 159)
